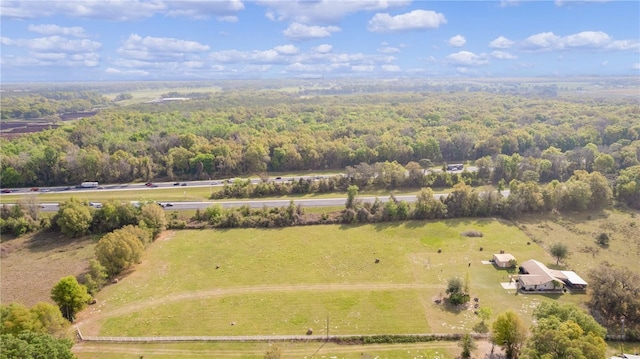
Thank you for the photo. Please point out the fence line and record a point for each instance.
(266, 338)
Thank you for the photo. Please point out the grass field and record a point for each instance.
(284, 281)
(432, 350)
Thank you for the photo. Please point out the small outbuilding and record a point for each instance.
(504, 260)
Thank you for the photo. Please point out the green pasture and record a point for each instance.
(283, 281)
(254, 350)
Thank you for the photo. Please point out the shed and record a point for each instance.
(503, 260)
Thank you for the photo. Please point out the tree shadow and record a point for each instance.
(481, 328)
(46, 241)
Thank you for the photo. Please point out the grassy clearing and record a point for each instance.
(579, 230)
(152, 94)
(33, 264)
(267, 284)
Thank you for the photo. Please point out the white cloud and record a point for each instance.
(298, 31)
(114, 71)
(118, 10)
(271, 56)
(123, 10)
(586, 39)
(636, 66)
(388, 50)
(467, 58)
(414, 20)
(623, 45)
(54, 44)
(362, 68)
(286, 49)
(543, 40)
(158, 48)
(223, 10)
(508, 3)
(50, 29)
(564, 2)
(390, 68)
(323, 11)
(501, 55)
(501, 43)
(229, 18)
(582, 40)
(322, 49)
(457, 41)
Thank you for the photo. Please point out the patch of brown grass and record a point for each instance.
(579, 231)
(31, 265)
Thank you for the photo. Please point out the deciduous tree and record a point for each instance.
(74, 218)
(35, 345)
(510, 333)
(118, 250)
(70, 296)
(560, 251)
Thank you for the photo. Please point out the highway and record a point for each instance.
(178, 205)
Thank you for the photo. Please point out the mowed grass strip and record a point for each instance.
(248, 350)
(278, 281)
(350, 312)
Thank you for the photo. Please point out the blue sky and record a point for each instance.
(113, 40)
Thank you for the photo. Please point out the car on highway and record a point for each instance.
(278, 178)
(6, 191)
(34, 189)
(183, 183)
(176, 184)
(95, 204)
(164, 205)
(44, 190)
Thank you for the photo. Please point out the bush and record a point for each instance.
(603, 239)
(472, 234)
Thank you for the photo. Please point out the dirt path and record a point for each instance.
(482, 352)
(89, 319)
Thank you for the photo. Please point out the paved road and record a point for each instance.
(256, 203)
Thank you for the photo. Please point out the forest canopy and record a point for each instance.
(240, 132)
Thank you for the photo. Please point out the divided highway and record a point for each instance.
(257, 203)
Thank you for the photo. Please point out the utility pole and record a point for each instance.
(327, 328)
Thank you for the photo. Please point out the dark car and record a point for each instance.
(6, 191)
(148, 184)
(183, 184)
(176, 184)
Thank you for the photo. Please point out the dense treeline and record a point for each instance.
(47, 104)
(237, 133)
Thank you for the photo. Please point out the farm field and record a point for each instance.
(284, 281)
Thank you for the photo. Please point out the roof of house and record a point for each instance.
(538, 273)
(573, 278)
(504, 257)
(532, 279)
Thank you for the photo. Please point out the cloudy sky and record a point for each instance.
(111, 40)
